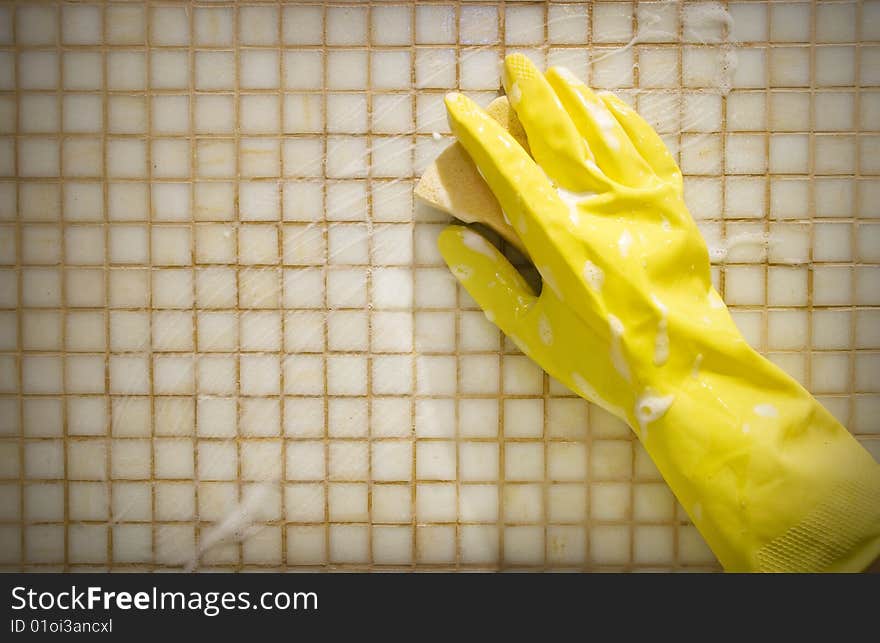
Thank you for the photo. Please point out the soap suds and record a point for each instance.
(549, 279)
(718, 251)
(661, 343)
(237, 525)
(624, 243)
(462, 272)
(650, 407)
(698, 362)
(766, 410)
(545, 330)
(477, 243)
(663, 308)
(573, 200)
(715, 300)
(437, 136)
(702, 19)
(594, 276)
(617, 358)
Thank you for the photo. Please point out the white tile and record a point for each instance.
(750, 22)
(80, 25)
(259, 157)
(524, 24)
(790, 22)
(836, 66)
(259, 68)
(346, 26)
(613, 71)
(789, 67)
(124, 25)
(658, 67)
(435, 68)
(169, 25)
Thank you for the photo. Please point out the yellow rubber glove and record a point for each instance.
(629, 320)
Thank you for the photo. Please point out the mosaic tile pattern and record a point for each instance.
(227, 340)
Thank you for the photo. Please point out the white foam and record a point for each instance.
(718, 251)
(698, 361)
(550, 279)
(650, 407)
(461, 272)
(237, 525)
(545, 330)
(594, 276)
(766, 410)
(661, 343)
(663, 308)
(573, 200)
(624, 243)
(618, 360)
(704, 17)
(477, 243)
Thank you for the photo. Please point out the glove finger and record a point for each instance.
(613, 149)
(496, 286)
(527, 197)
(554, 140)
(644, 138)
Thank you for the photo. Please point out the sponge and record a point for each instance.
(453, 184)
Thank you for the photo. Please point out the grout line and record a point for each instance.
(811, 177)
(196, 342)
(236, 137)
(282, 317)
(325, 273)
(63, 314)
(148, 149)
(370, 360)
(854, 257)
(413, 437)
(19, 267)
(105, 200)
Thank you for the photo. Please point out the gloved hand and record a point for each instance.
(628, 319)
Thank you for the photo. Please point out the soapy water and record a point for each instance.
(242, 519)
